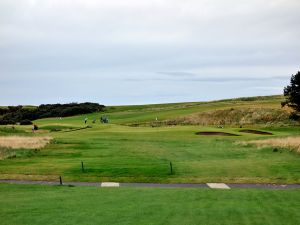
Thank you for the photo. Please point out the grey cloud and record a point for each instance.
(179, 78)
(122, 41)
(178, 74)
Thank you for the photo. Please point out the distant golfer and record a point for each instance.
(34, 127)
(85, 120)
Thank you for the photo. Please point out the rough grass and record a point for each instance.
(18, 142)
(291, 143)
(235, 116)
(18, 146)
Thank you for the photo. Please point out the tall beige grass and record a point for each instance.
(235, 116)
(15, 142)
(292, 143)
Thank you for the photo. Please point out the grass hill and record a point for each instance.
(135, 146)
(241, 111)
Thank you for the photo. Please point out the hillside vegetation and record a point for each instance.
(235, 116)
(264, 110)
(291, 143)
(137, 145)
(24, 115)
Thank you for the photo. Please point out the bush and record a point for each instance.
(294, 116)
(26, 122)
(7, 121)
(18, 114)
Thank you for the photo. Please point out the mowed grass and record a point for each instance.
(116, 152)
(27, 204)
(127, 154)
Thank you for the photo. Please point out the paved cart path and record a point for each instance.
(159, 185)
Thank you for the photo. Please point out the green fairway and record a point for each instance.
(117, 152)
(26, 204)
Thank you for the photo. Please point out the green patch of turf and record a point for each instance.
(11, 130)
(120, 153)
(28, 204)
(7, 153)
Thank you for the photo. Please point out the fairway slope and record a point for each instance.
(137, 145)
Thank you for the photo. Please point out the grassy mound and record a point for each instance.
(212, 133)
(250, 131)
(291, 143)
(235, 116)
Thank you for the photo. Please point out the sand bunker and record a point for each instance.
(212, 133)
(256, 132)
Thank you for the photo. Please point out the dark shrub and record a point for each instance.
(7, 121)
(294, 116)
(13, 114)
(25, 122)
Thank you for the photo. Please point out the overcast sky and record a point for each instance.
(145, 51)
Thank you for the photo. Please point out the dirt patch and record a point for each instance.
(256, 132)
(212, 133)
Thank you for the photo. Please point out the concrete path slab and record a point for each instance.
(110, 184)
(218, 185)
(163, 185)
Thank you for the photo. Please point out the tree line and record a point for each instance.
(24, 115)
